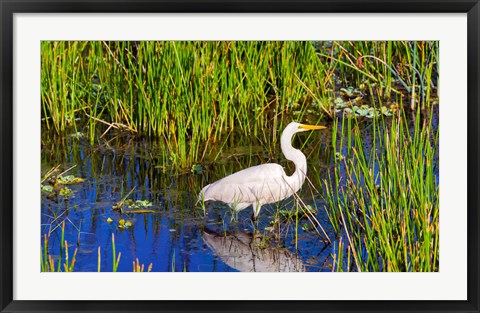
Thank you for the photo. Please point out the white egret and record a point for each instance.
(265, 183)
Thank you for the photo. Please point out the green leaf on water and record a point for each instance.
(339, 103)
(371, 113)
(65, 192)
(122, 224)
(77, 135)
(47, 188)
(361, 112)
(351, 92)
(109, 220)
(385, 111)
(138, 204)
(69, 180)
(311, 209)
(144, 203)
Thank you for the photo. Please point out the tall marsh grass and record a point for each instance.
(386, 203)
(64, 262)
(195, 94)
(185, 92)
(402, 67)
(204, 101)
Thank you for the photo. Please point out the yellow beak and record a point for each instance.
(312, 127)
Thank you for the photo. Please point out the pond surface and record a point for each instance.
(171, 231)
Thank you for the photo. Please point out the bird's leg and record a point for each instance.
(257, 238)
(256, 211)
(254, 221)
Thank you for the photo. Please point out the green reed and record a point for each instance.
(115, 256)
(47, 261)
(64, 261)
(188, 93)
(402, 67)
(194, 95)
(386, 205)
(201, 99)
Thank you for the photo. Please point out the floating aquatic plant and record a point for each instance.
(65, 192)
(69, 180)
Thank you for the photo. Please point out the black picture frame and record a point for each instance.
(9, 8)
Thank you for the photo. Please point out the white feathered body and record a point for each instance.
(255, 186)
(261, 184)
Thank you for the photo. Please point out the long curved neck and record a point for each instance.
(296, 156)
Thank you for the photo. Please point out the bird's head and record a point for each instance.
(292, 129)
(295, 127)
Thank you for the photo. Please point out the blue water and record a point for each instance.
(180, 235)
(173, 237)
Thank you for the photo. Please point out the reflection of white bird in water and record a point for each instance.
(261, 184)
(245, 253)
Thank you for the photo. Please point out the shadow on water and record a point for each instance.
(174, 233)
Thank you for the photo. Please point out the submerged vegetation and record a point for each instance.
(176, 115)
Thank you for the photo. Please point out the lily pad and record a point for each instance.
(339, 103)
(65, 192)
(69, 180)
(371, 113)
(368, 112)
(77, 135)
(138, 204)
(361, 112)
(144, 203)
(47, 188)
(351, 92)
(385, 111)
(123, 224)
(311, 209)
